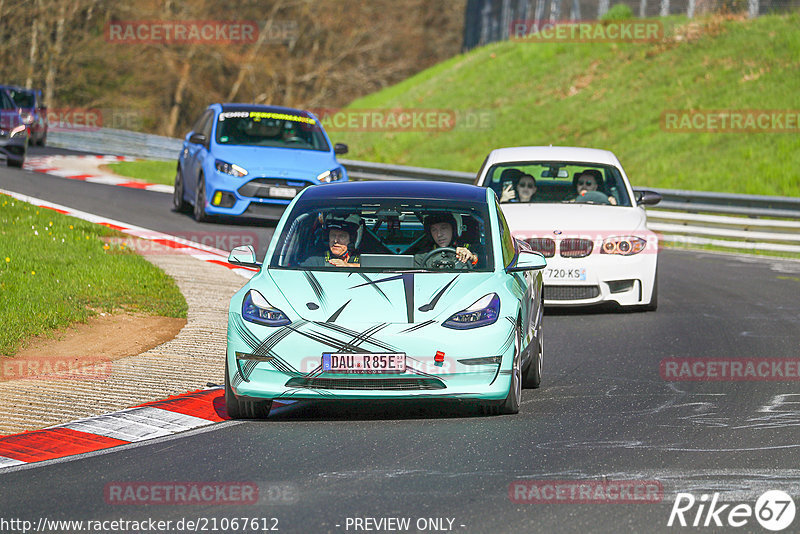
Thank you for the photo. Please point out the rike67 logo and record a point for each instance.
(774, 510)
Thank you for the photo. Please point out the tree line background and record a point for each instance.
(338, 50)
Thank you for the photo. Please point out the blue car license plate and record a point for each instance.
(389, 362)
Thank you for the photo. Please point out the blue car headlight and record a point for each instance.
(483, 311)
(331, 176)
(230, 168)
(257, 309)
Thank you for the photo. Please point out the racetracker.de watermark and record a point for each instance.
(184, 242)
(403, 119)
(70, 119)
(730, 369)
(585, 491)
(204, 32)
(731, 120)
(586, 31)
(199, 493)
(55, 368)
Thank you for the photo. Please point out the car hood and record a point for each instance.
(277, 161)
(350, 298)
(572, 218)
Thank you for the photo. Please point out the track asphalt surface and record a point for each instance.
(604, 411)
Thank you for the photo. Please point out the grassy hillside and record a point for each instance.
(612, 96)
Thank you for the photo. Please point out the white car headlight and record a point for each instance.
(623, 246)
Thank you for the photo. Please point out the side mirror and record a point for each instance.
(197, 139)
(340, 148)
(647, 198)
(244, 256)
(528, 261)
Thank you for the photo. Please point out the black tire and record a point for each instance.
(653, 305)
(43, 140)
(514, 397)
(238, 409)
(15, 163)
(178, 203)
(532, 377)
(200, 201)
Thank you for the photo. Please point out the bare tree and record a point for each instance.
(34, 44)
(54, 58)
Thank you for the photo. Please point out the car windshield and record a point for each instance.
(384, 235)
(557, 181)
(272, 129)
(22, 99)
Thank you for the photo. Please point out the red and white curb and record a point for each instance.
(178, 244)
(147, 421)
(87, 169)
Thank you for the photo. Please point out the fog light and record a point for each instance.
(223, 199)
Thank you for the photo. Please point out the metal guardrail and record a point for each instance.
(693, 217)
(116, 142)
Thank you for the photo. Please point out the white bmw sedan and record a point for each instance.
(576, 206)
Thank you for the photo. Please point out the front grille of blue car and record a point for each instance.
(382, 384)
(260, 187)
(570, 292)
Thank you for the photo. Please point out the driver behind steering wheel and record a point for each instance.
(441, 227)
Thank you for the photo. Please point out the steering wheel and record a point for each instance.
(441, 262)
(295, 139)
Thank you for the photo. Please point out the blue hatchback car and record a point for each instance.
(252, 160)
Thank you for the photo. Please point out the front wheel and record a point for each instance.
(514, 397)
(532, 378)
(238, 409)
(200, 214)
(178, 203)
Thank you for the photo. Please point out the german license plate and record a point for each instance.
(576, 273)
(282, 192)
(388, 362)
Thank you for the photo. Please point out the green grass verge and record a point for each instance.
(55, 270)
(153, 171)
(612, 96)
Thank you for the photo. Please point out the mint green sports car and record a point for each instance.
(387, 290)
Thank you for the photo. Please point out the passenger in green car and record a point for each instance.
(340, 235)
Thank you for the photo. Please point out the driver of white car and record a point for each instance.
(441, 227)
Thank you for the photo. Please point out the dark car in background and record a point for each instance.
(13, 132)
(32, 110)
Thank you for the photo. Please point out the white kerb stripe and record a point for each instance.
(137, 424)
(8, 462)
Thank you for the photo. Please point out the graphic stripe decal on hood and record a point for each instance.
(432, 304)
(316, 287)
(359, 335)
(408, 289)
(336, 314)
(374, 286)
(417, 326)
